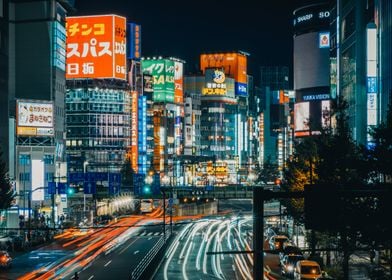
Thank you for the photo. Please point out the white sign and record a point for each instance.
(31, 114)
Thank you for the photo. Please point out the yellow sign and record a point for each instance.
(214, 91)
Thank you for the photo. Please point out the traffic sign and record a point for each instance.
(90, 187)
(76, 177)
(51, 187)
(62, 188)
(114, 183)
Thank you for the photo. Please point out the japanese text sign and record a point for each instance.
(96, 47)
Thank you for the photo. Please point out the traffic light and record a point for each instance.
(71, 191)
(146, 190)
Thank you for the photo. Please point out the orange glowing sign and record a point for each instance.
(234, 64)
(96, 47)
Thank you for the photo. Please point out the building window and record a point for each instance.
(49, 159)
(24, 159)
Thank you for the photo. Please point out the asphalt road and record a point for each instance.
(123, 260)
(24, 263)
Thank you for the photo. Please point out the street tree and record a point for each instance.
(7, 193)
(269, 172)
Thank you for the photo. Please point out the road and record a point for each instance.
(84, 250)
(124, 259)
(187, 256)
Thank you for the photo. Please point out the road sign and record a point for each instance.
(51, 187)
(89, 187)
(170, 201)
(138, 183)
(114, 183)
(62, 188)
(76, 177)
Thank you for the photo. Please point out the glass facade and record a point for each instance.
(98, 127)
(218, 129)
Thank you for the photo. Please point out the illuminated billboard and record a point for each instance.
(323, 40)
(34, 118)
(215, 82)
(178, 82)
(96, 47)
(234, 66)
(162, 71)
(134, 131)
(135, 41)
(59, 42)
(301, 119)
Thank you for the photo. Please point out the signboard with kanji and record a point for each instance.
(96, 47)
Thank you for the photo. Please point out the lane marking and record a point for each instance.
(136, 252)
(149, 238)
(91, 277)
(105, 265)
(123, 250)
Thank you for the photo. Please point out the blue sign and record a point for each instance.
(134, 41)
(62, 188)
(209, 188)
(138, 183)
(114, 183)
(51, 187)
(156, 184)
(241, 89)
(371, 84)
(76, 177)
(89, 187)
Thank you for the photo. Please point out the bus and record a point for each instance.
(146, 205)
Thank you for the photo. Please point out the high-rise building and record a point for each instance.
(311, 69)
(384, 10)
(168, 116)
(98, 109)
(36, 89)
(274, 77)
(354, 51)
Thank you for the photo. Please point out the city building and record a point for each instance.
(167, 117)
(384, 10)
(355, 57)
(98, 109)
(274, 77)
(34, 112)
(311, 69)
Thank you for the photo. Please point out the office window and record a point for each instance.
(24, 159)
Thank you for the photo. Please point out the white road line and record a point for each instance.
(123, 250)
(149, 238)
(106, 264)
(150, 233)
(136, 252)
(157, 233)
(91, 277)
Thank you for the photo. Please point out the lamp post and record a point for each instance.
(166, 181)
(85, 163)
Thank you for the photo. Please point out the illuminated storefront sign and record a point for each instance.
(59, 43)
(215, 82)
(135, 41)
(371, 72)
(178, 83)
(96, 47)
(134, 131)
(35, 118)
(162, 71)
(142, 135)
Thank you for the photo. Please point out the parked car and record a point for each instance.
(307, 270)
(5, 259)
(276, 242)
(288, 263)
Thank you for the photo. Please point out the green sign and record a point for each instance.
(162, 71)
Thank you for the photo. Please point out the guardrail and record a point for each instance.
(147, 259)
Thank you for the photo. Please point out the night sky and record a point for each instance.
(184, 29)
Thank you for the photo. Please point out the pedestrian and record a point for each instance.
(76, 276)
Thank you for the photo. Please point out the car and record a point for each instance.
(288, 263)
(5, 259)
(276, 242)
(307, 270)
(289, 248)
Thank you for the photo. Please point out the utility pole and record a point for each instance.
(258, 233)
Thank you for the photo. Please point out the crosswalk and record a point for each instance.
(151, 233)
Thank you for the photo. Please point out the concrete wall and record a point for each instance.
(209, 208)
